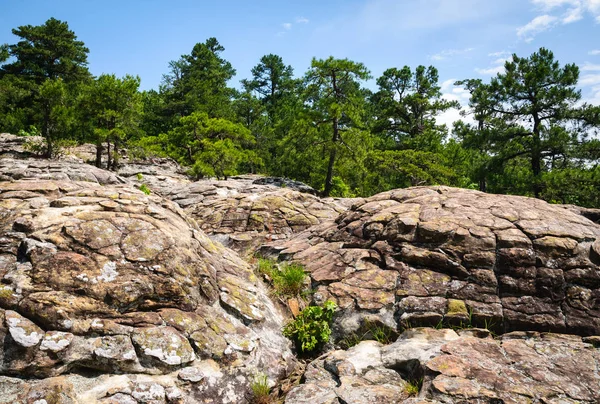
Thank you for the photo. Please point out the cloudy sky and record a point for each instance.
(462, 38)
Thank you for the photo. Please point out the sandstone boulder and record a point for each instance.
(99, 279)
(242, 214)
(439, 255)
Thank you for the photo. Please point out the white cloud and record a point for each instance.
(490, 71)
(589, 67)
(400, 16)
(498, 54)
(287, 25)
(538, 24)
(445, 54)
(497, 66)
(302, 20)
(572, 10)
(594, 52)
(451, 92)
(572, 15)
(593, 97)
(590, 80)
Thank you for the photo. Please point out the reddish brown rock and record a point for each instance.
(512, 263)
(104, 278)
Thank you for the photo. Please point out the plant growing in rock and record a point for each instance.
(311, 328)
(413, 387)
(351, 340)
(381, 334)
(260, 390)
(144, 188)
(289, 280)
(266, 267)
(139, 176)
(370, 331)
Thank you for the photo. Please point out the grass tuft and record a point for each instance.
(260, 390)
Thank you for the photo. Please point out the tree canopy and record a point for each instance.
(528, 131)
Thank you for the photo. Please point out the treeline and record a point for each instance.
(532, 134)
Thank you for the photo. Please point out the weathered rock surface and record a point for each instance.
(100, 279)
(160, 175)
(242, 215)
(422, 256)
(285, 183)
(520, 367)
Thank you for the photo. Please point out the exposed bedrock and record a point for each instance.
(105, 281)
(440, 255)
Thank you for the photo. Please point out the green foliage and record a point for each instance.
(406, 105)
(351, 340)
(139, 176)
(36, 146)
(369, 331)
(260, 390)
(413, 386)
(266, 266)
(144, 188)
(529, 122)
(32, 131)
(311, 328)
(533, 136)
(46, 52)
(198, 83)
(391, 169)
(381, 334)
(288, 278)
(337, 107)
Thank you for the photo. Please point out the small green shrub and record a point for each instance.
(32, 131)
(266, 266)
(145, 189)
(311, 327)
(139, 176)
(260, 390)
(289, 280)
(413, 387)
(35, 146)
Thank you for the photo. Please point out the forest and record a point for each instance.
(528, 131)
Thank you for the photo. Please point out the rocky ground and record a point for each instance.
(112, 295)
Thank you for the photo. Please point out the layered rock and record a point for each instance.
(439, 255)
(242, 215)
(472, 367)
(103, 280)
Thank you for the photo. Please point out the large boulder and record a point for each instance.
(447, 256)
(242, 214)
(111, 295)
(520, 367)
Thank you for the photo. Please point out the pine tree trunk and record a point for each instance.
(332, 155)
(99, 150)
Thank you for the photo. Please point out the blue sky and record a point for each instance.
(462, 38)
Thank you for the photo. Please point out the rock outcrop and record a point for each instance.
(520, 367)
(439, 255)
(103, 280)
(109, 295)
(243, 215)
